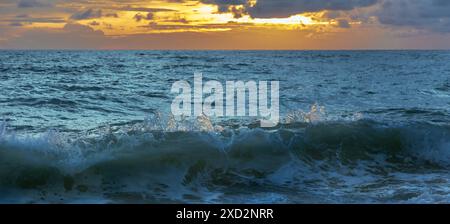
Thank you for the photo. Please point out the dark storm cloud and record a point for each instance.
(286, 8)
(431, 15)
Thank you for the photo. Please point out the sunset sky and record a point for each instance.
(225, 24)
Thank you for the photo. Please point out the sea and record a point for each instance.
(96, 127)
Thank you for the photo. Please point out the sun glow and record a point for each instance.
(293, 20)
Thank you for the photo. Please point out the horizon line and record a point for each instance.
(93, 49)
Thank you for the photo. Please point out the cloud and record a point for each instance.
(139, 16)
(28, 19)
(72, 36)
(76, 36)
(225, 4)
(432, 15)
(286, 8)
(343, 23)
(22, 16)
(237, 12)
(332, 14)
(94, 23)
(17, 24)
(33, 4)
(87, 14)
(179, 20)
(112, 15)
(184, 25)
(81, 29)
(143, 9)
(415, 19)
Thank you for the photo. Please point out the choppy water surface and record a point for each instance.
(92, 126)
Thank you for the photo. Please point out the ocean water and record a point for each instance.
(93, 127)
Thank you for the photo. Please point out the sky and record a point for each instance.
(225, 24)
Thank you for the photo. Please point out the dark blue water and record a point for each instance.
(94, 126)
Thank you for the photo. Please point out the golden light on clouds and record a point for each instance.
(211, 26)
(221, 24)
(121, 18)
(191, 16)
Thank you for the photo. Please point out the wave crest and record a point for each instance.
(191, 160)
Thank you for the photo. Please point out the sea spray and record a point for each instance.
(196, 165)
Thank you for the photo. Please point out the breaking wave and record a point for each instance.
(158, 161)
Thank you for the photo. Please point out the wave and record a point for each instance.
(156, 161)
